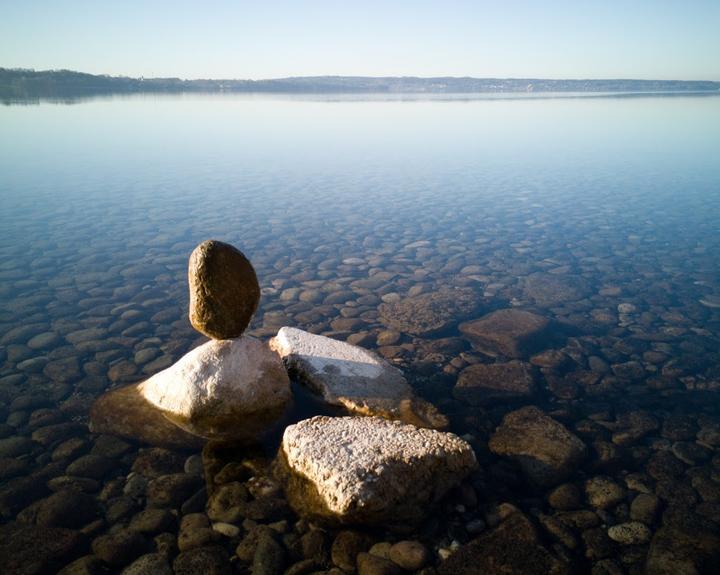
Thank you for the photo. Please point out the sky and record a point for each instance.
(648, 39)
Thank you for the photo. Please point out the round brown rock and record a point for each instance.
(224, 291)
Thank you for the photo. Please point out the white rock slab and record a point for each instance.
(369, 469)
(352, 377)
(226, 388)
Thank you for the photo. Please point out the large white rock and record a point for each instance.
(354, 378)
(232, 388)
(369, 469)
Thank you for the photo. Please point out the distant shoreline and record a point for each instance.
(22, 83)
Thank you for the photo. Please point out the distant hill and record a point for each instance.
(18, 83)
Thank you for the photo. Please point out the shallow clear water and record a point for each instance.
(600, 201)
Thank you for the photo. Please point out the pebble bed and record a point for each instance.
(631, 366)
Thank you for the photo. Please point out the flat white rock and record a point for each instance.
(369, 469)
(352, 377)
(223, 388)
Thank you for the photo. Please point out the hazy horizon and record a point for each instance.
(662, 40)
(440, 76)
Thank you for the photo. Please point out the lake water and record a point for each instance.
(601, 214)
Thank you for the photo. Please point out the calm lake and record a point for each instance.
(601, 214)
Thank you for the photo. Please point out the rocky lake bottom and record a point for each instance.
(616, 393)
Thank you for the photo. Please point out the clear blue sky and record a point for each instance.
(658, 39)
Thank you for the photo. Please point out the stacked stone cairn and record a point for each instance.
(386, 461)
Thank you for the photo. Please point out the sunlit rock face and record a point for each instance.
(369, 470)
(230, 389)
(352, 377)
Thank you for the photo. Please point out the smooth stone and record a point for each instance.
(224, 290)
(171, 490)
(226, 529)
(92, 466)
(346, 546)
(354, 378)
(508, 332)
(369, 469)
(630, 533)
(483, 383)
(230, 389)
(44, 340)
(410, 555)
(368, 564)
(429, 313)
(152, 521)
(195, 537)
(544, 448)
(603, 492)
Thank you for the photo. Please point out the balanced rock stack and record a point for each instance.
(360, 469)
(232, 387)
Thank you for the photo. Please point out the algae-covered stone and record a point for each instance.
(369, 469)
(354, 378)
(544, 448)
(224, 290)
(509, 332)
